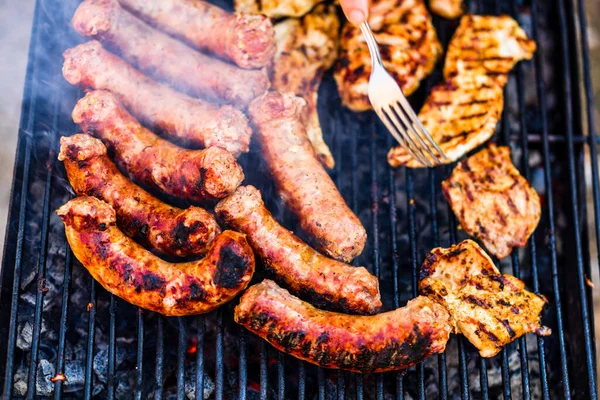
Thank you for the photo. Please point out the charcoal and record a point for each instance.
(45, 371)
(25, 335)
(75, 376)
(190, 384)
(100, 363)
(20, 382)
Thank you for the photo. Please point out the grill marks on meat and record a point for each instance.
(197, 175)
(385, 342)
(172, 113)
(301, 180)
(140, 215)
(127, 270)
(447, 8)
(408, 44)
(306, 48)
(492, 201)
(165, 58)
(460, 114)
(245, 39)
(489, 308)
(275, 8)
(325, 282)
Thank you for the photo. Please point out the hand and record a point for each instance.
(356, 11)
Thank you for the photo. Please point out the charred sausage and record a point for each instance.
(197, 175)
(247, 40)
(300, 178)
(385, 342)
(159, 55)
(172, 113)
(325, 282)
(140, 215)
(127, 270)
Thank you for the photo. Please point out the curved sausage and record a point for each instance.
(174, 114)
(127, 270)
(168, 59)
(140, 215)
(198, 175)
(300, 178)
(247, 40)
(325, 282)
(390, 341)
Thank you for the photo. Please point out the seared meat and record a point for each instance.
(460, 114)
(275, 8)
(385, 342)
(325, 282)
(489, 308)
(447, 8)
(408, 44)
(306, 48)
(492, 201)
(127, 270)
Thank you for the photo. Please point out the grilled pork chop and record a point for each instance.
(306, 48)
(408, 44)
(492, 201)
(447, 8)
(275, 8)
(489, 308)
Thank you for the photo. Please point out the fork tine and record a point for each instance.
(401, 111)
(416, 150)
(392, 129)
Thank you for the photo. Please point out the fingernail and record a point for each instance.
(356, 16)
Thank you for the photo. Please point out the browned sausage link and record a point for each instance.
(325, 282)
(247, 40)
(127, 270)
(301, 180)
(168, 59)
(140, 215)
(175, 114)
(385, 342)
(198, 175)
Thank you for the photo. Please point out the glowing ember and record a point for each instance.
(58, 377)
(192, 346)
(89, 306)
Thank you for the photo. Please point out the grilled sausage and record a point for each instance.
(300, 178)
(140, 215)
(174, 114)
(325, 282)
(247, 40)
(165, 58)
(385, 342)
(127, 270)
(197, 175)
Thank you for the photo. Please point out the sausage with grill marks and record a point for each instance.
(140, 215)
(165, 58)
(389, 341)
(176, 115)
(129, 271)
(197, 175)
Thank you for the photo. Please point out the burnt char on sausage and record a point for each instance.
(140, 215)
(247, 40)
(131, 272)
(197, 175)
(165, 58)
(325, 282)
(174, 114)
(300, 178)
(385, 342)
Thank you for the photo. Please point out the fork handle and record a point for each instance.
(371, 43)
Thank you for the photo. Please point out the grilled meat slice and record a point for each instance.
(487, 45)
(409, 49)
(306, 48)
(461, 114)
(389, 341)
(275, 8)
(492, 201)
(447, 8)
(489, 308)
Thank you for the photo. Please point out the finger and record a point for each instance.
(355, 10)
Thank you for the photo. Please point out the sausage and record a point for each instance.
(325, 282)
(300, 178)
(247, 40)
(389, 341)
(129, 271)
(155, 224)
(176, 115)
(165, 58)
(197, 175)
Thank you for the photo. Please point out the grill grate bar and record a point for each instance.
(263, 370)
(201, 322)
(64, 319)
(139, 379)
(111, 348)
(90, 342)
(243, 369)
(160, 357)
(181, 348)
(219, 356)
(301, 380)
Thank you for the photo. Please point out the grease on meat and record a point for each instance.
(276, 8)
(447, 8)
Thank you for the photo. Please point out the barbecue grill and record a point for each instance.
(63, 336)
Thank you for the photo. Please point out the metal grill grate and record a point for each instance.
(545, 122)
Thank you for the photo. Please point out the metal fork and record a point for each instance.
(396, 113)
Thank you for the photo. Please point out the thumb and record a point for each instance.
(356, 11)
